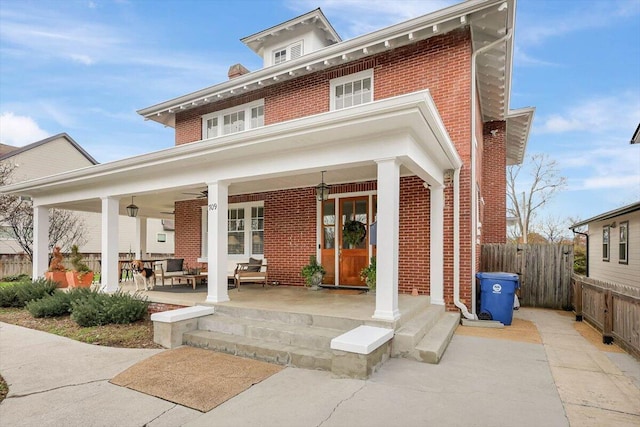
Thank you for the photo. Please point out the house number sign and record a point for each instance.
(213, 206)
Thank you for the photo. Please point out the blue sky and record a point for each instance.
(85, 67)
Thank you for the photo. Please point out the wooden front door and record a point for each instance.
(353, 239)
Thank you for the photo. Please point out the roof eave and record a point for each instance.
(320, 59)
(608, 215)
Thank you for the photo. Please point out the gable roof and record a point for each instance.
(608, 215)
(256, 41)
(18, 150)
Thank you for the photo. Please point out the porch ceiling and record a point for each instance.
(345, 143)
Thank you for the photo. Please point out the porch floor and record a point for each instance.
(292, 299)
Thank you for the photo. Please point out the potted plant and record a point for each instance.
(81, 275)
(313, 273)
(368, 275)
(353, 233)
(57, 271)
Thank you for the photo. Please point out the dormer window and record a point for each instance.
(287, 53)
(232, 120)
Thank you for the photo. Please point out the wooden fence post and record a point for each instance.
(607, 324)
(577, 293)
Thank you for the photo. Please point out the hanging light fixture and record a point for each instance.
(132, 210)
(322, 190)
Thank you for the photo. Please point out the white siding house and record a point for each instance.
(614, 245)
(60, 153)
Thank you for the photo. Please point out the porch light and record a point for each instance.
(132, 210)
(322, 190)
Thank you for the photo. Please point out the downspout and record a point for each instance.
(456, 183)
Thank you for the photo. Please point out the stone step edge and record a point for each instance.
(432, 347)
(287, 317)
(288, 355)
(408, 336)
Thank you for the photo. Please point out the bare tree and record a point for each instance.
(554, 229)
(65, 227)
(544, 183)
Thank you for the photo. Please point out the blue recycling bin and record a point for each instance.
(497, 292)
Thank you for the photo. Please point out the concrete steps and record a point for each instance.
(304, 340)
(425, 337)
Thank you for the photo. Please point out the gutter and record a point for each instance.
(456, 202)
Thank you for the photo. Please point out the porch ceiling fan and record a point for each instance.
(201, 195)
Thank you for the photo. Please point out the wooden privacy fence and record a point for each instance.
(613, 309)
(12, 265)
(544, 271)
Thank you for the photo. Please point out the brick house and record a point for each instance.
(409, 127)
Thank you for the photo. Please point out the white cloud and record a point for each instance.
(595, 115)
(19, 130)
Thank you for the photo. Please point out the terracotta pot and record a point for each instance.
(57, 276)
(77, 280)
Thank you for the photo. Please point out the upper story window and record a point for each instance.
(624, 243)
(233, 119)
(354, 89)
(287, 53)
(606, 231)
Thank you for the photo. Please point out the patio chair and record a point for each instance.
(169, 269)
(254, 271)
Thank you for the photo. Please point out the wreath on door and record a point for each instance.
(353, 232)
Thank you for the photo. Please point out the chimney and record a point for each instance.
(236, 71)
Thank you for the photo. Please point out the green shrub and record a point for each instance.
(100, 309)
(57, 304)
(20, 293)
(9, 296)
(17, 278)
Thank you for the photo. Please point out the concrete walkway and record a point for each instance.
(54, 381)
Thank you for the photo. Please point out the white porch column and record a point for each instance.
(388, 229)
(218, 290)
(141, 238)
(109, 264)
(40, 241)
(436, 216)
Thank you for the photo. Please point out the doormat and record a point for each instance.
(193, 377)
(343, 291)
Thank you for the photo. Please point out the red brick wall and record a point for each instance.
(414, 248)
(440, 64)
(493, 185)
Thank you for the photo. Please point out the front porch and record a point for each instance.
(337, 303)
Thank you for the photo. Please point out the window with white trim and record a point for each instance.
(354, 89)
(606, 232)
(241, 242)
(287, 53)
(623, 243)
(233, 119)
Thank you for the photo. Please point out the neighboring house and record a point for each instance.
(412, 124)
(613, 245)
(60, 153)
(635, 139)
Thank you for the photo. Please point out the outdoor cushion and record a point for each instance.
(254, 265)
(174, 264)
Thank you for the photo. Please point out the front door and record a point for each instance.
(353, 243)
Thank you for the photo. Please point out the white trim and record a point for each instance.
(347, 79)
(204, 256)
(287, 48)
(246, 108)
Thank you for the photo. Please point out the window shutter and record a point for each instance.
(296, 50)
